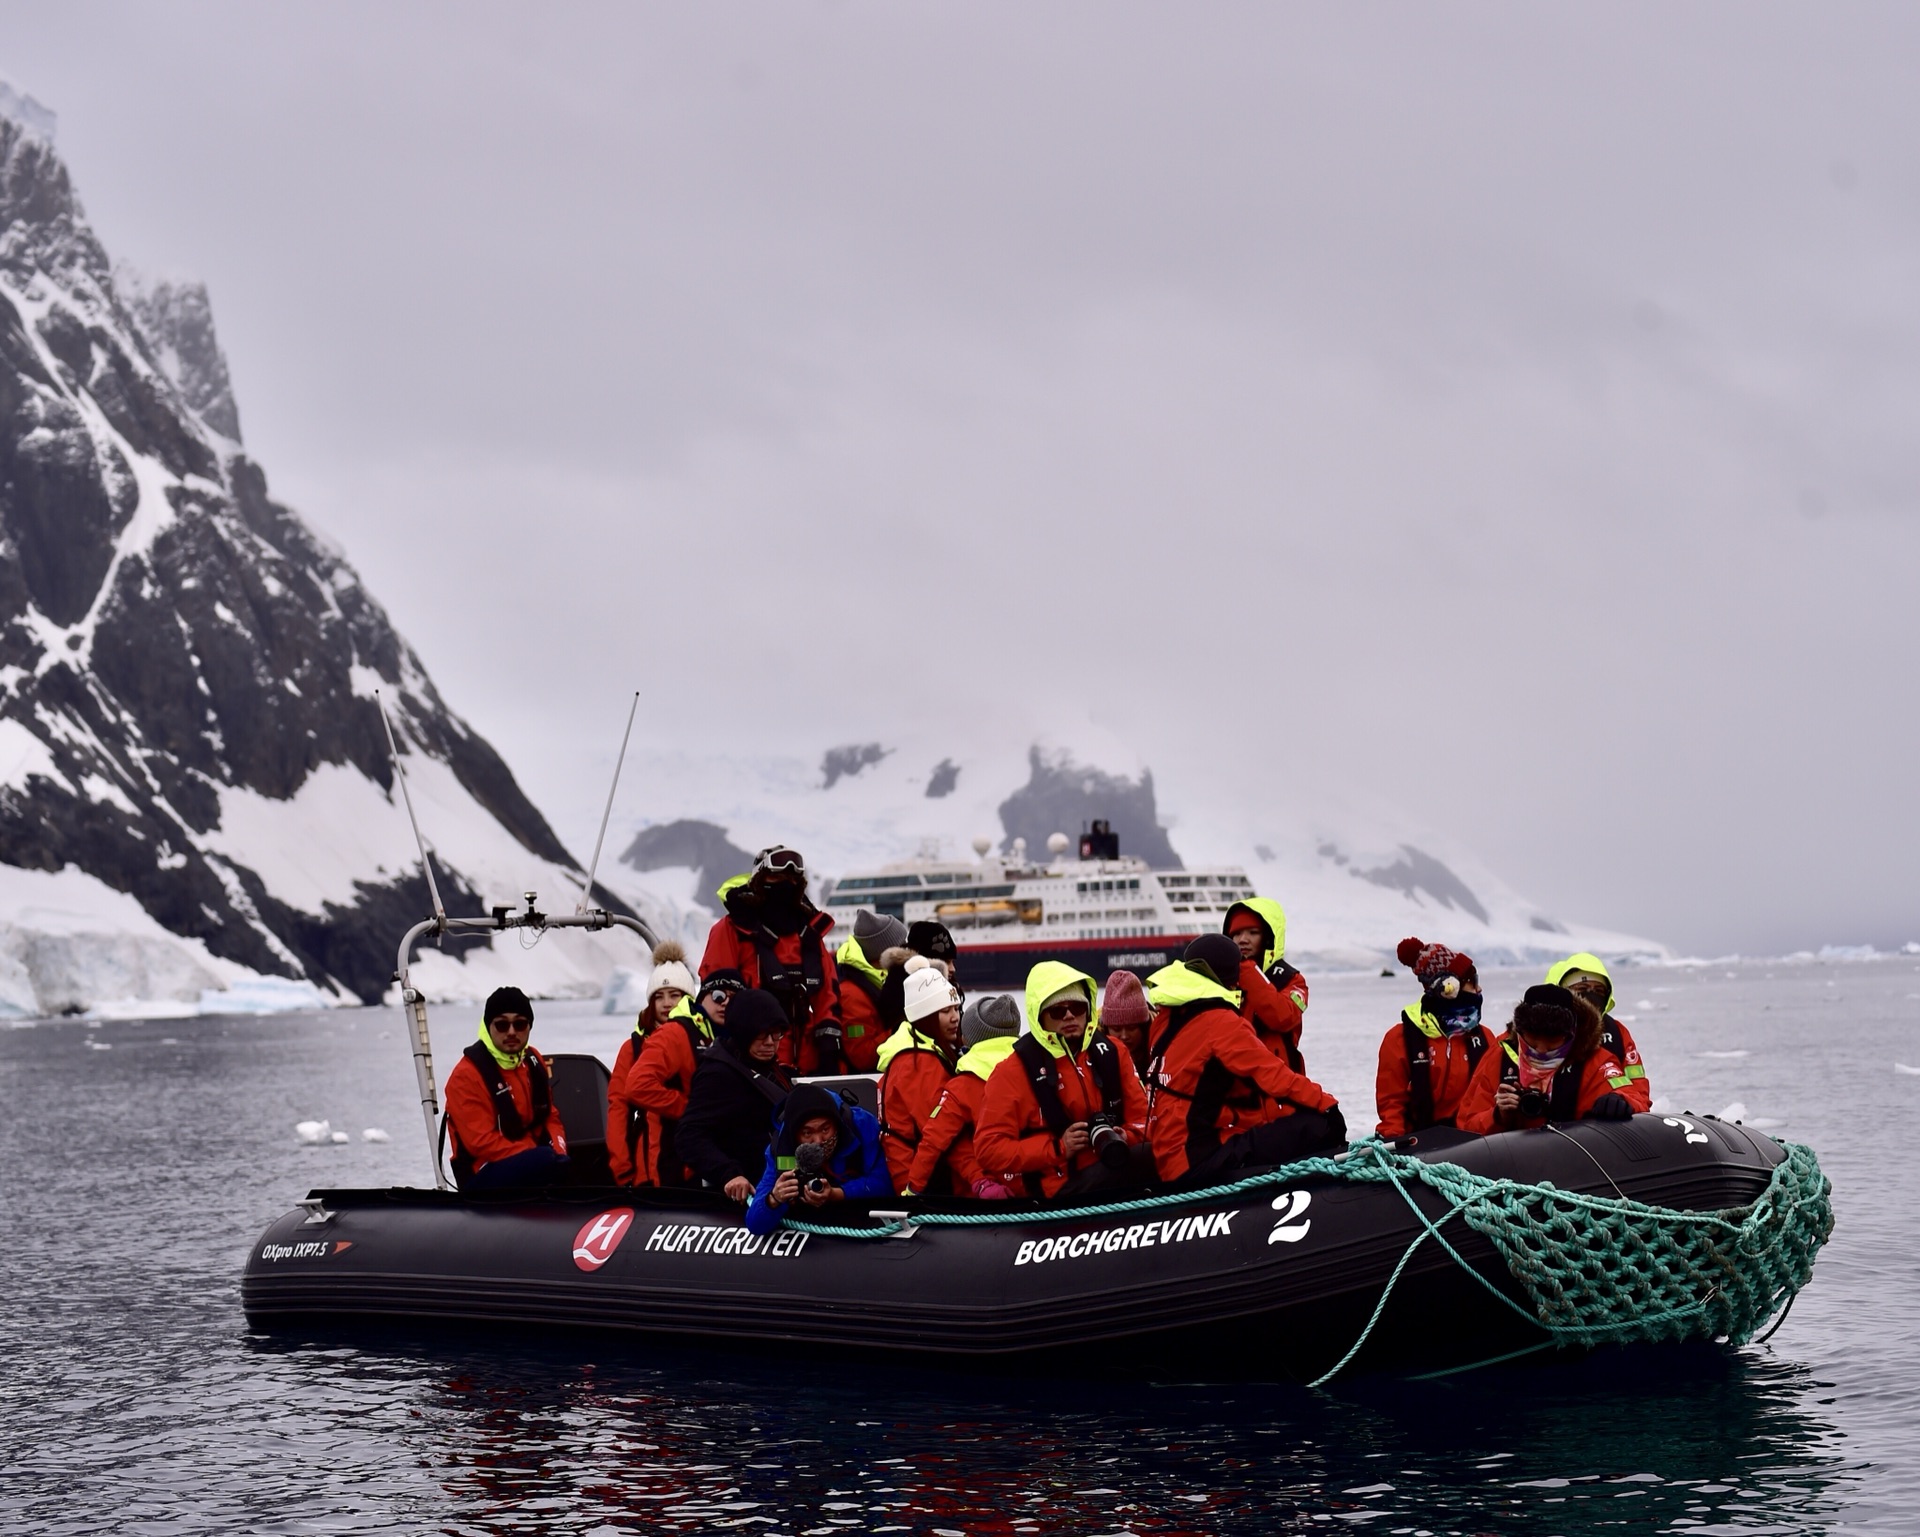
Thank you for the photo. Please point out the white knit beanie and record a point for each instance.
(927, 992)
(672, 974)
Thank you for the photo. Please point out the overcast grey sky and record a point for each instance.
(1506, 413)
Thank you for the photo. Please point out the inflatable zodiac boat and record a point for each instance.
(1659, 1227)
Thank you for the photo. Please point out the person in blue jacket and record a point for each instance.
(849, 1165)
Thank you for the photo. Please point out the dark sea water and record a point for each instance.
(142, 1159)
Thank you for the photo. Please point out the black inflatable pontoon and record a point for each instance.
(1282, 1279)
(1279, 1281)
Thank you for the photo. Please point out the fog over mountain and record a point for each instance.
(1483, 422)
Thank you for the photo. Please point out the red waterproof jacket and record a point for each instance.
(1211, 1076)
(731, 943)
(473, 1126)
(1445, 1075)
(912, 1075)
(657, 1086)
(1011, 1137)
(948, 1134)
(622, 1146)
(1277, 1016)
(863, 1031)
(1593, 1070)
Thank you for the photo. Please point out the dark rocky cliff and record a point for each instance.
(168, 630)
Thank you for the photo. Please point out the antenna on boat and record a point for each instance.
(393, 746)
(586, 891)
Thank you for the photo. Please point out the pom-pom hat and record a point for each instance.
(1439, 969)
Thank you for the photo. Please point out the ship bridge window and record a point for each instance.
(1173, 881)
(876, 883)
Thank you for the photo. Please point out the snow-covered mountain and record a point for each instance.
(196, 796)
(1353, 883)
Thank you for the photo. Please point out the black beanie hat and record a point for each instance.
(931, 939)
(1216, 956)
(1546, 1009)
(506, 1000)
(752, 1014)
(725, 980)
(801, 1106)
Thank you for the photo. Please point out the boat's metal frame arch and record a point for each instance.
(414, 1001)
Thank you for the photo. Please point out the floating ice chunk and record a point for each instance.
(1911, 1072)
(313, 1133)
(339, 1137)
(374, 1134)
(1737, 1111)
(1723, 1055)
(100, 1045)
(1645, 1003)
(1660, 1106)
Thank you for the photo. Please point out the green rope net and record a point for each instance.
(1594, 1269)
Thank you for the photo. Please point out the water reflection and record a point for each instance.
(581, 1439)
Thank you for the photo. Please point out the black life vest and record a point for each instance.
(506, 1114)
(671, 1170)
(636, 1117)
(1280, 974)
(1563, 1102)
(1043, 1076)
(1420, 1070)
(1217, 1087)
(794, 984)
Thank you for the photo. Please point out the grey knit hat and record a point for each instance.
(876, 933)
(989, 1018)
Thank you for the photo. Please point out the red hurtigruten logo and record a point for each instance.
(594, 1244)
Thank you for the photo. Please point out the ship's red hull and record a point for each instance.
(987, 967)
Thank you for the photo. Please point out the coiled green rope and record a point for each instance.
(1596, 1269)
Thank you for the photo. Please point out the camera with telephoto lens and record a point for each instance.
(1108, 1141)
(810, 1163)
(1534, 1101)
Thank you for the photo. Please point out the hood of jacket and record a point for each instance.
(850, 957)
(703, 1026)
(742, 905)
(1175, 986)
(508, 1060)
(1273, 918)
(802, 1105)
(1584, 961)
(1046, 979)
(981, 1058)
(1589, 1022)
(908, 1037)
(1416, 1015)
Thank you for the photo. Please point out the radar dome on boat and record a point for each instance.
(1057, 844)
(981, 845)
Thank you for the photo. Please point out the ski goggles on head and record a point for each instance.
(780, 861)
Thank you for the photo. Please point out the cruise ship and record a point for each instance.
(1100, 912)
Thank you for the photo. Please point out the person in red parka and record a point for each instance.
(1274, 993)
(501, 1125)
(916, 1062)
(862, 966)
(775, 937)
(656, 1086)
(1428, 1057)
(1220, 1100)
(627, 1154)
(1064, 1082)
(946, 1156)
(1553, 1065)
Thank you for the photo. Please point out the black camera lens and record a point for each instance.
(1533, 1102)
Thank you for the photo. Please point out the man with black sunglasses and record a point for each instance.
(1064, 1114)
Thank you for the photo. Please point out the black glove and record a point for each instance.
(1336, 1124)
(1610, 1107)
(826, 1046)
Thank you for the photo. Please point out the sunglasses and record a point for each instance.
(1060, 1013)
